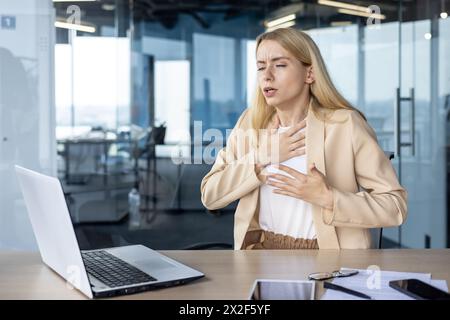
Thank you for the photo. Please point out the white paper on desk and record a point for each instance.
(364, 282)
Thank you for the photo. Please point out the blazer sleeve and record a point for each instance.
(232, 176)
(383, 203)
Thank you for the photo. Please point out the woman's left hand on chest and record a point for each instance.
(312, 188)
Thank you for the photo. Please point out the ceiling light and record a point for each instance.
(282, 25)
(108, 7)
(275, 22)
(443, 14)
(363, 14)
(340, 23)
(74, 0)
(72, 26)
(344, 5)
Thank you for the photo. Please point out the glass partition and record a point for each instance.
(144, 95)
(26, 110)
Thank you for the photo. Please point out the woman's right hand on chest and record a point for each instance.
(275, 147)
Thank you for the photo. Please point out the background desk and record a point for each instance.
(229, 274)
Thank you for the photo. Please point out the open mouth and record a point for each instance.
(269, 92)
(269, 89)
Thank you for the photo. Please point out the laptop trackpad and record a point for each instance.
(153, 264)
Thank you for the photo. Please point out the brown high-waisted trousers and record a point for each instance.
(260, 239)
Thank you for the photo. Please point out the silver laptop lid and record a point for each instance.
(53, 229)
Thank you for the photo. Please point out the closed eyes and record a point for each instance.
(278, 65)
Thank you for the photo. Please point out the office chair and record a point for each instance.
(147, 151)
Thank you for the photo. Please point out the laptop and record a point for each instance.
(96, 273)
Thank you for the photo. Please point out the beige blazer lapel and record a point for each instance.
(315, 153)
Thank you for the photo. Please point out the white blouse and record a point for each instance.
(284, 214)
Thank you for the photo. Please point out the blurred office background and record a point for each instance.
(114, 94)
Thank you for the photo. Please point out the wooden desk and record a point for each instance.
(229, 274)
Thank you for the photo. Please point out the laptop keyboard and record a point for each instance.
(112, 271)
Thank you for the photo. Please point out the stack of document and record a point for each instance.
(375, 284)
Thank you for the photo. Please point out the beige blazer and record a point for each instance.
(344, 148)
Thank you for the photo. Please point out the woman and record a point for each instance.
(304, 164)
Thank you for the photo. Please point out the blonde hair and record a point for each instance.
(323, 94)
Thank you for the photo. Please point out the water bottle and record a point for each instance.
(134, 201)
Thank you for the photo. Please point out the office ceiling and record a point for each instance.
(167, 12)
